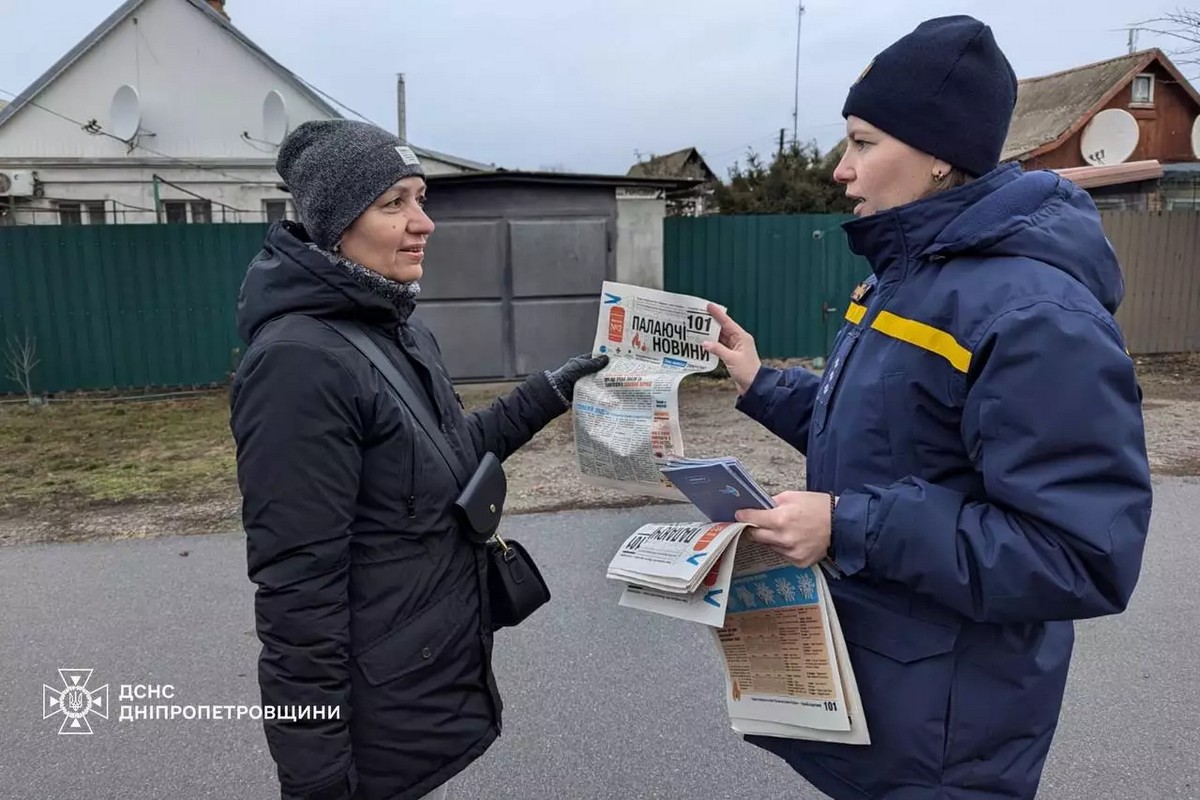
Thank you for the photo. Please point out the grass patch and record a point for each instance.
(86, 453)
(76, 455)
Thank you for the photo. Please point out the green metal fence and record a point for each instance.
(143, 306)
(121, 306)
(786, 279)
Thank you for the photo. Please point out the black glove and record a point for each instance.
(563, 379)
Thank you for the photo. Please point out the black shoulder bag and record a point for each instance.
(515, 586)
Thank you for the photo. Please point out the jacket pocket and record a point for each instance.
(898, 408)
(414, 644)
(905, 667)
(900, 638)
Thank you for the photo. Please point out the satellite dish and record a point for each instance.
(275, 121)
(126, 114)
(1110, 138)
(1196, 137)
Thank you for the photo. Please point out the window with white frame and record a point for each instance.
(81, 212)
(277, 210)
(184, 211)
(175, 211)
(70, 213)
(1143, 89)
(201, 211)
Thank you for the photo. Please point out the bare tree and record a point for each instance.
(21, 358)
(1182, 27)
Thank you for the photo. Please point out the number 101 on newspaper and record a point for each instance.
(627, 415)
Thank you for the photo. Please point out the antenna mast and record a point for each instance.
(796, 106)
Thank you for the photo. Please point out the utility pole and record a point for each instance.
(796, 107)
(781, 132)
(401, 110)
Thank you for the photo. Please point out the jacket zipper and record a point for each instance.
(411, 496)
(412, 469)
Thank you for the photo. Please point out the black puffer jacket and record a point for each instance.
(369, 598)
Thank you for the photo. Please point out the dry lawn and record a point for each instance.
(90, 469)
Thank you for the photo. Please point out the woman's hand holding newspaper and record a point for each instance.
(800, 529)
(736, 348)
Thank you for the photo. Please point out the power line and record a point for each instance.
(94, 128)
(166, 182)
(740, 148)
(337, 102)
(73, 201)
(762, 140)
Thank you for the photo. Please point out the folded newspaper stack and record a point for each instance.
(788, 671)
(672, 558)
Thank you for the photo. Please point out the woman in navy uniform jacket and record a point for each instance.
(975, 448)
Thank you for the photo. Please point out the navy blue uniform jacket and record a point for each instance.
(980, 419)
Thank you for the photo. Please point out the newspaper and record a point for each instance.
(858, 734)
(684, 550)
(674, 556)
(627, 415)
(787, 669)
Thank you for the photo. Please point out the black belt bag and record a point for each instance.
(515, 586)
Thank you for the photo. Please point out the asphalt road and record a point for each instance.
(602, 702)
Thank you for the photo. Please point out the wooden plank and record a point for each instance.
(1191, 286)
(1144, 306)
(1190, 268)
(1174, 245)
(1132, 313)
(1141, 252)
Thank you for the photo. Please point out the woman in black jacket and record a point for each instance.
(375, 628)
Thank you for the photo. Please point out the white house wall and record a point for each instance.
(237, 193)
(200, 89)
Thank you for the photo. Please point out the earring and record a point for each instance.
(938, 177)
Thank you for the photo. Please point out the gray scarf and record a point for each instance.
(401, 295)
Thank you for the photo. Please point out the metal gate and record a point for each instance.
(785, 278)
(513, 271)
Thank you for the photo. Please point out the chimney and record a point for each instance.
(400, 112)
(219, 7)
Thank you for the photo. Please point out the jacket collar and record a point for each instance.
(898, 236)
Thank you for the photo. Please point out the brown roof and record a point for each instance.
(1049, 106)
(671, 165)
(1053, 107)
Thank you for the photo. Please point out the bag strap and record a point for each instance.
(356, 336)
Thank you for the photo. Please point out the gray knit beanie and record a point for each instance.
(335, 169)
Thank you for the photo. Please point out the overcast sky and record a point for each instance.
(583, 84)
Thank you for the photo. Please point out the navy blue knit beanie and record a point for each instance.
(945, 89)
